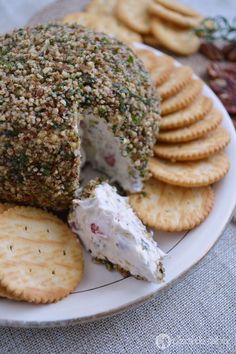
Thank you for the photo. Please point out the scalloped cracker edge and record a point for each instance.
(190, 174)
(170, 208)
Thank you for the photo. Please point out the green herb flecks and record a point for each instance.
(45, 170)
(10, 133)
(144, 244)
(130, 59)
(19, 162)
(102, 111)
(136, 118)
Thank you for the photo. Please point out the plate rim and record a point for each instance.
(142, 299)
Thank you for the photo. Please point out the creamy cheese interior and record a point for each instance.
(109, 229)
(104, 152)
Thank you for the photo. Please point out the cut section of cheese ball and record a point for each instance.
(106, 153)
(110, 230)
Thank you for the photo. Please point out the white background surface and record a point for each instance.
(16, 13)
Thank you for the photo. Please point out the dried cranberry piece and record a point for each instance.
(96, 230)
(110, 159)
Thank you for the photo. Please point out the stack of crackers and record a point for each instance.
(41, 260)
(189, 155)
(164, 23)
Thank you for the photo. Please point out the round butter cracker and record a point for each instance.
(194, 131)
(171, 16)
(190, 174)
(170, 208)
(101, 7)
(180, 41)
(104, 23)
(41, 260)
(162, 68)
(82, 18)
(196, 111)
(198, 149)
(150, 40)
(159, 67)
(178, 7)
(179, 77)
(148, 57)
(111, 26)
(183, 98)
(134, 14)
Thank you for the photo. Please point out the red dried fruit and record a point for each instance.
(96, 230)
(110, 159)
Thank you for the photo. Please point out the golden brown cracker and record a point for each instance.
(5, 207)
(149, 39)
(159, 67)
(198, 149)
(179, 77)
(170, 208)
(194, 131)
(104, 23)
(178, 7)
(190, 174)
(116, 29)
(41, 260)
(180, 41)
(196, 111)
(148, 57)
(83, 18)
(134, 14)
(183, 98)
(171, 16)
(7, 295)
(101, 7)
(163, 67)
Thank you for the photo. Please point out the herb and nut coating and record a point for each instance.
(50, 76)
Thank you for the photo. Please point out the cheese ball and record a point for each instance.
(57, 81)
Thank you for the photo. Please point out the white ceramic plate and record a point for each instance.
(103, 293)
